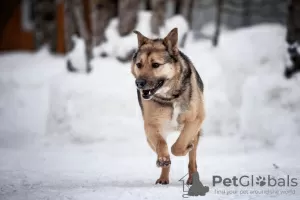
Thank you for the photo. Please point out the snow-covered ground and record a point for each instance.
(77, 136)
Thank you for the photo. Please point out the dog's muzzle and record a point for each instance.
(147, 88)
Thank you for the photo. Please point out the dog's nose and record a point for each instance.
(140, 83)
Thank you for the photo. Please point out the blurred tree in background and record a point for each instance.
(127, 15)
(215, 40)
(44, 14)
(293, 38)
(89, 19)
(102, 11)
(185, 8)
(76, 24)
(158, 15)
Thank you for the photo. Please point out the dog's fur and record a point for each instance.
(171, 98)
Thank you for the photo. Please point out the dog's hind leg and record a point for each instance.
(159, 145)
(192, 160)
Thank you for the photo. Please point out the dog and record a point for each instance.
(170, 95)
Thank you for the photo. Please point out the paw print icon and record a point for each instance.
(261, 181)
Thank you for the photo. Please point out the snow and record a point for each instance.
(175, 21)
(208, 29)
(77, 55)
(79, 136)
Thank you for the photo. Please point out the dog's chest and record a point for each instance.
(172, 124)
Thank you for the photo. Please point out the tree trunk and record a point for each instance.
(218, 22)
(102, 11)
(186, 10)
(127, 11)
(147, 4)
(158, 15)
(75, 24)
(7, 9)
(69, 24)
(177, 7)
(246, 13)
(45, 23)
(80, 24)
(293, 38)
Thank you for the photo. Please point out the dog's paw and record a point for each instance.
(189, 181)
(163, 161)
(162, 181)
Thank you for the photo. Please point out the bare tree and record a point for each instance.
(75, 25)
(293, 38)
(177, 6)
(127, 11)
(218, 22)
(187, 11)
(185, 8)
(101, 13)
(147, 4)
(158, 15)
(45, 23)
(69, 27)
(78, 12)
(246, 13)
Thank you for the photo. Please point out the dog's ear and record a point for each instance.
(171, 40)
(141, 38)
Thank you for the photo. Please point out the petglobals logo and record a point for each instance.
(254, 181)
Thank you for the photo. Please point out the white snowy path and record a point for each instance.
(99, 151)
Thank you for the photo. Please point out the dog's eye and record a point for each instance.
(138, 65)
(155, 65)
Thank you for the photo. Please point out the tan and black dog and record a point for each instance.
(170, 94)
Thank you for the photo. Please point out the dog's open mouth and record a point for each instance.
(147, 94)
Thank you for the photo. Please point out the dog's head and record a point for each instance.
(155, 63)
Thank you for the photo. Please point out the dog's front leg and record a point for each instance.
(159, 145)
(184, 143)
